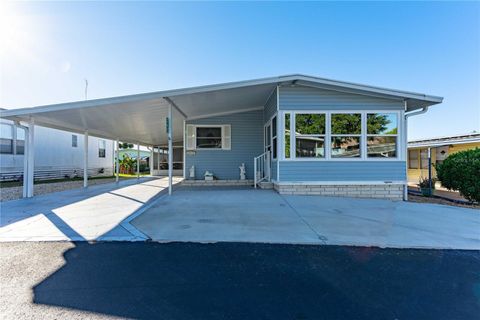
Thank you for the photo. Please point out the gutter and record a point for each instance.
(407, 115)
(414, 113)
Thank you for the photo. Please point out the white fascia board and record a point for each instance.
(444, 143)
(373, 89)
(208, 88)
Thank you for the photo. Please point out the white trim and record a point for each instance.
(391, 93)
(222, 128)
(441, 144)
(280, 135)
(317, 183)
(328, 136)
(184, 149)
(226, 113)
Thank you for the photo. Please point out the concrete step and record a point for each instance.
(265, 185)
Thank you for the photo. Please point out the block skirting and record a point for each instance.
(381, 191)
(218, 183)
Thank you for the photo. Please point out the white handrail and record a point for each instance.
(260, 166)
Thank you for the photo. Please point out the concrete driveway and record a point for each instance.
(247, 215)
(99, 212)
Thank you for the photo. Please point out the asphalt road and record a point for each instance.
(235, 281)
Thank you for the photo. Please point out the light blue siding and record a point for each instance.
(306, 98)
(247, 143)
(274, 170)
(342, 171)
(270, 106)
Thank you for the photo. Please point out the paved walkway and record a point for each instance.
(248, 215)
(97, 213)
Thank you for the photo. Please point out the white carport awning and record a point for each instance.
(141, 118)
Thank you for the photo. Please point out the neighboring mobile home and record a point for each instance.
(304, 135)
(440, 149)
(59, 154)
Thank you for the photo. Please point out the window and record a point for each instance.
(424, 159)
(287, 135)
(346, 132)
(382, 130)
(74, 140)
(208, 137)
(309, 135)
(20, 144)
(274, 137)
(6, 138)
(102, 145)
(413, 159)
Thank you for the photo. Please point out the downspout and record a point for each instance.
(408, 115)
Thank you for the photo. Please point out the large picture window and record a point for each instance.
(310, 135)
(382, 130)
(346, 130)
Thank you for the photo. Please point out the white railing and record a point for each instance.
(261, 168)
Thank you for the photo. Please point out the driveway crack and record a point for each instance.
(320, 237)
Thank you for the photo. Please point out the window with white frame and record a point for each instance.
(287, 136)
(74, 140)
(20, 143)
(309, 135)
(424, 159)
(102, 147)
(208, 137)
(346, 131)
(413, 159)
(6, 138)
(382, 134)
(274, 137)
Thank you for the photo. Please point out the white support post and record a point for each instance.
(26, 150)
(138, 161)
(150, 160)
(85, 159)
(184, 160)
(31, 159)
(158, 158)
(117, 162)
(405, 154)
(170, 149)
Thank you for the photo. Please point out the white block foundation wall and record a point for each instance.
(381, 191)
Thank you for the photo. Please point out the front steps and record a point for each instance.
(265, 185)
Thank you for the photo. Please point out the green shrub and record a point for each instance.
(425, 183)
(461, 171)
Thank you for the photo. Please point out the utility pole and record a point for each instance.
(86, 88)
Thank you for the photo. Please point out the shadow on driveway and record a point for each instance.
(263, 281)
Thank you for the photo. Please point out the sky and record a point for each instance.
(48, 49)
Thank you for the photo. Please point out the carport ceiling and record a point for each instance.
(141, 118)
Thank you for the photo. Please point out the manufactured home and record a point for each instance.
(440, 149)
(298, 134)
(59, 154)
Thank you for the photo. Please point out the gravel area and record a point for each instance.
(14, 193)
(421, 199)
